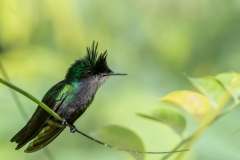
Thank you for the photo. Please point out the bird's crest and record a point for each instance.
(89, 65)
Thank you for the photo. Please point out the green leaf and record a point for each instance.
(121, 137)
(212, 89)
(231, 82)
(168, 116)
(194, 103)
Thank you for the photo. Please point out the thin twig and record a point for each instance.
(120, 149)
(41, 104)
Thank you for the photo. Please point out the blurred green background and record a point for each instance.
(154, 41)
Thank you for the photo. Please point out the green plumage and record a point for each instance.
(89, 65)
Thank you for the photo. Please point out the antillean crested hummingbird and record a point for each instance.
(69, 99)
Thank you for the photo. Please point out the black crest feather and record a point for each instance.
(91, 63)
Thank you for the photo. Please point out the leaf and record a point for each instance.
(121, 137)
(194, 103)
(212, 89)
(231, 82)
(168, 116)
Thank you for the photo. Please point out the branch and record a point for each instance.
(51, 112)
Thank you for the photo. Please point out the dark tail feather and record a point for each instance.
(47, 135)
(18, 136)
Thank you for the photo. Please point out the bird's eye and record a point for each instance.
(89, 72)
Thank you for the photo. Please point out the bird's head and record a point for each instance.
(92, 65)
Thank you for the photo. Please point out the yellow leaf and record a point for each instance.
(194, 103)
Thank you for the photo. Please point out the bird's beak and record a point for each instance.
(114, 74)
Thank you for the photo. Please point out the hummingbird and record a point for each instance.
(69, 98)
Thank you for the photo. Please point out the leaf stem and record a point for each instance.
(229, 109)
(41, 104)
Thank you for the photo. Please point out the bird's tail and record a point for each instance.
(19, 135)
(45, 136)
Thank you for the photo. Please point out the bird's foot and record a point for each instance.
(73, 129)
(64, 122)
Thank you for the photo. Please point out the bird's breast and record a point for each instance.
(75, 106)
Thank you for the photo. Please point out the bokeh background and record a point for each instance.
(154, 41)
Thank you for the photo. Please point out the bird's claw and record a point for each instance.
(73, 129)
(64, 122)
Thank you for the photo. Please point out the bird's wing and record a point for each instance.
(53, 99)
